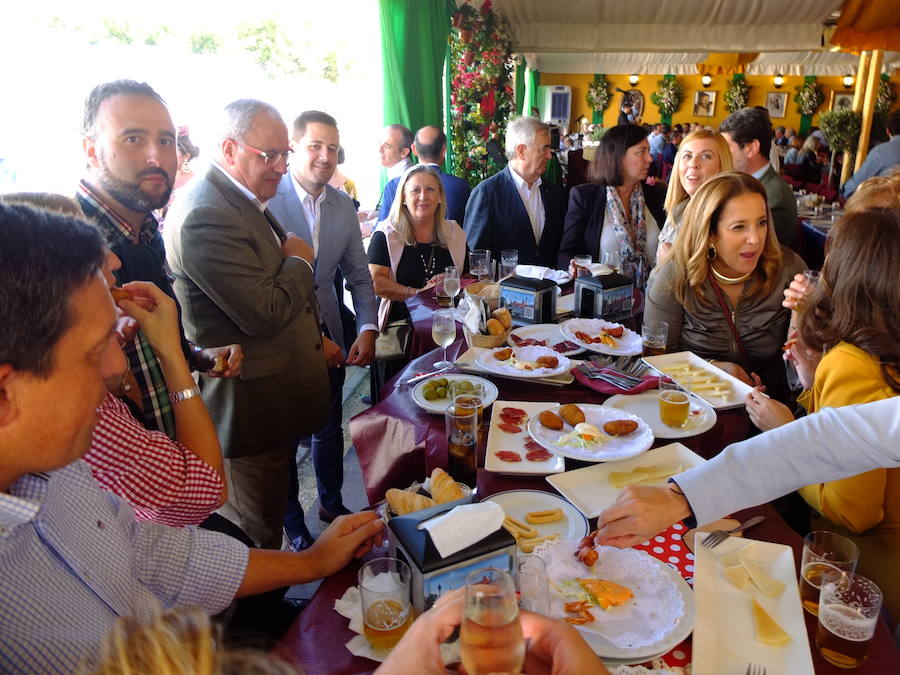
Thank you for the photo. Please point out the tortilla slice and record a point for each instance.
(605, 593)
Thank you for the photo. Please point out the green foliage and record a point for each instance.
(330, 70)
(597, 132)
(116, 32)
(737, 95)
(598, 95)
(272, 49)
(841, 128)
(886, 97)
(205, 43)
(667, 97)
(808, 98)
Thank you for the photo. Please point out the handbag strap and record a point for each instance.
(728, 318)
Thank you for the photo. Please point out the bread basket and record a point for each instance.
(486, 341)
(488, 290)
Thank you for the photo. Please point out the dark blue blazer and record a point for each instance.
(456, 191)
(496, 219)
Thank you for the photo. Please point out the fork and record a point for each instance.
(716, 537)
(595, 371)
(754, 669)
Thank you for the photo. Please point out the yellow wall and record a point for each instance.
(759, 85)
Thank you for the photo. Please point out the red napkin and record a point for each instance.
(648, 382)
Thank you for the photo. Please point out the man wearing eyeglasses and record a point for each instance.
(238, 274)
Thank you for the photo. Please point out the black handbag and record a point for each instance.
(393, 341)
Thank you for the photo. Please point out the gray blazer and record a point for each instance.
(782, 204)
(340, 245)
(235, 286)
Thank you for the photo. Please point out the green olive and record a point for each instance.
(440, 382)
(442, 392)
(429, 394)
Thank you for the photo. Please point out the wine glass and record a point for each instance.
(611, 260)
(490, 639)
(451, 282)
(443, 332)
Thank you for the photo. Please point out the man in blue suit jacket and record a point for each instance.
(313, 210)
(514, 209)
(430, 147)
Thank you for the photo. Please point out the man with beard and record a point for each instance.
(129, 141)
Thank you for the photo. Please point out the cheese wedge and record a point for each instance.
(644, 474)
(737, 575)
(767, 629)
(606, 594)
(769, 587)
(734, 557)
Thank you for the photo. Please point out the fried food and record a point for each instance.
(443, 488)
(551, 420)
(620, 427)
(605, 593)
(221, 364)
(586, 553)
(615, 331)
(403, 501)
(519, 529)
(572, 414)
(541, 517)
(503, 354)
(503, 316)
(494, 327)
(121, 294)
(547, 361)
(531, 544)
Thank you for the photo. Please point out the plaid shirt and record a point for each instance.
(142, 360)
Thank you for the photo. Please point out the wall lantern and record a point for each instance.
(778, 81)
(633, 79)
(847, 81)
(706, 80)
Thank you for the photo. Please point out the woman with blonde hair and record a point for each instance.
(721, 290)
(409, 252)
(701, 155)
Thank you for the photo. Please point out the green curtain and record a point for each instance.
(806, 120)
(519, 87)
(532, 82)
(413, 50)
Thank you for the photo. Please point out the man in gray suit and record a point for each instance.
(240, 278)
(326, 220)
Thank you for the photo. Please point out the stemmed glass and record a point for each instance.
(490, 639)
(611, 260)
(451, 283)
(443, 332)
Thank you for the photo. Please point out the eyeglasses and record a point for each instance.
(270, 157)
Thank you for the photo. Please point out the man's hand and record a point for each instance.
(554, 646)
(156, 314)
(222, 362)
(347, 537)
(296, 246)
(639, 513)
(362, 351)
(334, 355)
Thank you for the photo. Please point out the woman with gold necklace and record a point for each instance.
(721, 290)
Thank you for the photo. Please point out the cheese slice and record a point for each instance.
(767, 629)
(606, 594)
(737, 575)
(769, 587)
(644, 474)
(620, 479)
(734, 557)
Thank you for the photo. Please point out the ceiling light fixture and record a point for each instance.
(706, 80)
(778, 81)
(633, 79)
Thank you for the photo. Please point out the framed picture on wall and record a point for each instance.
(840, 101)
(704, 103)
(776, 102)
(635, 99)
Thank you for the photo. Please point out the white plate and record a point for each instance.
(628, 345)
(623, 560)
(487, 361)
(438, 406)
(646, 406)
(542, 331)
(616, 448)
(501, 440)
(518, 503)
(725, 637)
(589, 488)
(739, 390)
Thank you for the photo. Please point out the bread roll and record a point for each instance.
(443, 488)
(494, 327)
(503, 316)
(403, 501)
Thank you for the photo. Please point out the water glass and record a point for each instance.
(823, 553)
(490, 638)
(384, 595)
(582, 265)
(848, 613)
(654, 335)
(612, 260)
(534, 590)
(509, 258)
(479, 262)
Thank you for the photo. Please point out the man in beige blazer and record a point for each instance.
(238, 275)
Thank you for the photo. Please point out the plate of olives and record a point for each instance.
(436, 393)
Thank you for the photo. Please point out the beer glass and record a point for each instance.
(848, 613)
(823, 552)
(462, 436)
(480, 263)
(490, 639)
(654, 335)
(384, 594)
(674, 401)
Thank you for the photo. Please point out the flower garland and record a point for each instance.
(886, 97)
(481, 95)
(667, 97)
(598, 96)
(808, 98)
(737, 95)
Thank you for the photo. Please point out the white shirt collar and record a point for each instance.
(303, 194)
(398, 168)
(520, 182)
(758, 174)
(240, 186)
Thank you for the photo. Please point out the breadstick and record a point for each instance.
(519, 529)
(540, 517)
(528, 546)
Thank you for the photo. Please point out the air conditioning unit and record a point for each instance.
(555, 105)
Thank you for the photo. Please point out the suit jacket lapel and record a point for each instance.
(248, 209)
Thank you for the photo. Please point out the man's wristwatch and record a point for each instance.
(184, 394)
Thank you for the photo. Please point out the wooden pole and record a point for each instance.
(874, 76)
(861, 75)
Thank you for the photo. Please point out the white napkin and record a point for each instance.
(472, 317)
(350, 607)
(538, 272)
(463, 526)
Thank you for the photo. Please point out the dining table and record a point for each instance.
(399, 443)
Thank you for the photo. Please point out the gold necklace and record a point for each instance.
(730, 281)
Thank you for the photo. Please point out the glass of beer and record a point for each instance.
(490, 639)
(653, 336)
(462, 436)
(443, 332)
(582, 265)
(823, 552)
(674, 401)
(848, 613)
(384, 594)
